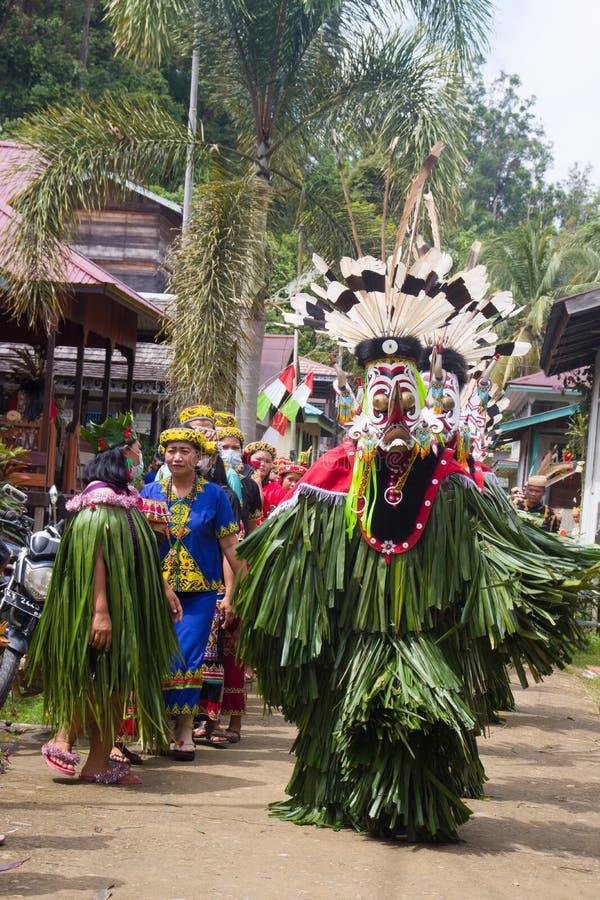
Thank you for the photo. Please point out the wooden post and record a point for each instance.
(77, 395)
(590, 513)
(106, 388)
(130, 357)
(154, 430)
(44, 434)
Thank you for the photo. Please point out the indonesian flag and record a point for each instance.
(289, 411)
(273, 393)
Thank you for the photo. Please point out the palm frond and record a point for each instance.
(146, 29)
(218, 269)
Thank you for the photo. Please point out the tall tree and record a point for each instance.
(509, 157)
(527, 261)
(285, 71)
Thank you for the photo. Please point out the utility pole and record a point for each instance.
(299, 265)
(192, 129)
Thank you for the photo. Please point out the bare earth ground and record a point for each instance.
(200, 830)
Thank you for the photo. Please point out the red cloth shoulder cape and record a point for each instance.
(330, 477)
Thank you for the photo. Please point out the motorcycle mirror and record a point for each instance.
(53, 498)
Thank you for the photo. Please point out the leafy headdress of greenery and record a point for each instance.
(115, 431)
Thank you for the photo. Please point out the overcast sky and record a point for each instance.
(553, 46)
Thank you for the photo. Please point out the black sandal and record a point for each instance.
(133, 758)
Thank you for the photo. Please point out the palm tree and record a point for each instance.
(285, 71)
(528, 261)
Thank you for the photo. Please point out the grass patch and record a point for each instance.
(588, 656)
(23, 709)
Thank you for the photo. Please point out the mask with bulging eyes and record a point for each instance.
(393, 403)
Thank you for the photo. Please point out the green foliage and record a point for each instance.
(11, 460)
(509, 157)
(49, 52)
(589, 655)
(23, 709)
(217, 274)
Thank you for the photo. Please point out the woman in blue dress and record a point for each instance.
(202, 529)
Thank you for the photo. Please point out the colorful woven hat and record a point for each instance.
(286, 467)
(195, 438)
(196, 411)
(257, 446)
(225, 419)
(230, 431)
(113, 432)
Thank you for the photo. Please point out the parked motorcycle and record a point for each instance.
(25, 590)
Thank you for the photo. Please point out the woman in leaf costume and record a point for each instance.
(106, 629)
(384, 600)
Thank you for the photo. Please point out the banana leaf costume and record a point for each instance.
(387, 644)
(78, 681)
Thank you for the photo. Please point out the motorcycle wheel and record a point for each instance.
(9, 666)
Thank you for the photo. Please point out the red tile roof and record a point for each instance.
(307, 365)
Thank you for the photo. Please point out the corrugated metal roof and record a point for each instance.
(306, 365)
(538, 419)
(151, 362)
(572, 333)
(14, 175)
(543, 381)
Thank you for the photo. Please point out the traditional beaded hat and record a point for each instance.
(225, 419)
(231, 431)
(286, 466)
(113, 432)
(196, 411)
(189, 436)
(257, 446)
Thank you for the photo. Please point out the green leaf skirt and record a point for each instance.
(78, 681)
(390, 670)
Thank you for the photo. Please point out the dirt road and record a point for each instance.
(200, 830)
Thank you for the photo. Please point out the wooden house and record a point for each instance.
(573, 340)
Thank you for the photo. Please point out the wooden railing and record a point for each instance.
(40, 463)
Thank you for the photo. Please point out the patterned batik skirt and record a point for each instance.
(181, 688)
(234, 694)
(211, 694)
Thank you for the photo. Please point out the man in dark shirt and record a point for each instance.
(533, 502)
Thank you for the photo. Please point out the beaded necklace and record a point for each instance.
(182, 504)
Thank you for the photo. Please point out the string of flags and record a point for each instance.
(290, 408)
(274, 392)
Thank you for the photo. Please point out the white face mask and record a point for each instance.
(138, 470)
(204, 464)
(231, 458)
